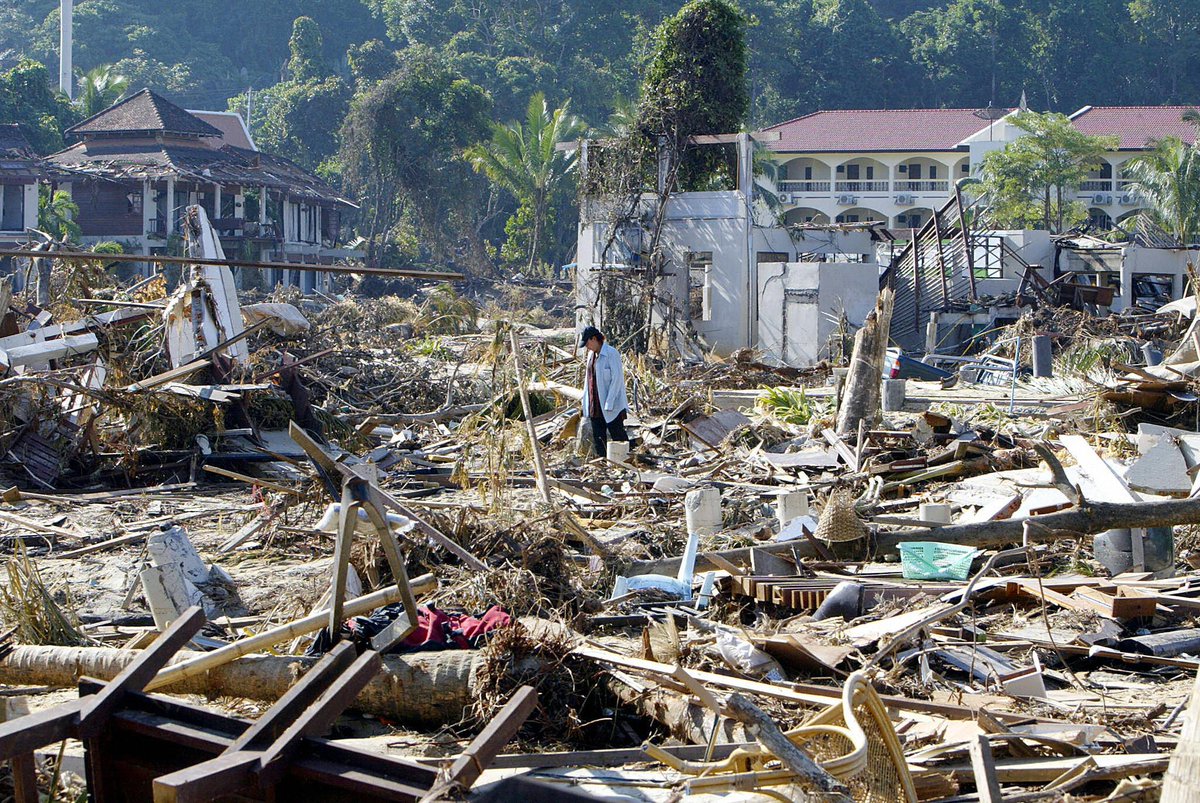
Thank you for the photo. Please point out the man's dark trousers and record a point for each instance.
(603, 430)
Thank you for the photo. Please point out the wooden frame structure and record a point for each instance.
(141, 747)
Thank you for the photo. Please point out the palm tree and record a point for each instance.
(521, 158)
(99, 88)
(1168, 181)
(56, 214)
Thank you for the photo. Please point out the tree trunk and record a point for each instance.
(429, 688)
(862, 396)
(539, 210)
(1091, 518)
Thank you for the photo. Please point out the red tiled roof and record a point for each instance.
(878, 130)
(1137, 126)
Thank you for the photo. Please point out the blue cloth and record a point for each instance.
(610, 384)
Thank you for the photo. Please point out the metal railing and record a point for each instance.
(923, 185)
(861, 186)
(1096, 185)
(806, 185)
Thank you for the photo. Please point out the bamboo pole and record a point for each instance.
(309, 624)
(539, 468)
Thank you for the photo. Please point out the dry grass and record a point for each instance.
(31, 610)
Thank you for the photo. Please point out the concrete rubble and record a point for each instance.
(988, 590)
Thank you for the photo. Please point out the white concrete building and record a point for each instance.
(733, 275)
(898, 165)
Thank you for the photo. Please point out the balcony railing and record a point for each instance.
(927, 185)
(807, 185)
(862, 186)
(1096, 185)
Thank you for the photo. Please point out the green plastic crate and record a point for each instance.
(930, 560)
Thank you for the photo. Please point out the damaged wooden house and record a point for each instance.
(139, 163)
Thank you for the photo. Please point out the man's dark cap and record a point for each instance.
(588, 333)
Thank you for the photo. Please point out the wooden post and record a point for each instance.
(966, 241)
(341, 559)
(861, 399)
(937, 230)
(538, 467)
(1183, 773)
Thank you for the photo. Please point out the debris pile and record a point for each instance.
(965, 577)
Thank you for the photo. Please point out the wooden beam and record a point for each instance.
(141, 671)
(479, 754)
(985, 770)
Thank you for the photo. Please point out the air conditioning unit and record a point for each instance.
(784, 198)
(1101, 198)
(1129, 199)
(905, 200)
(847, 200)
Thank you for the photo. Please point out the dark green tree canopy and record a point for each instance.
(696, 80)
(306, 62)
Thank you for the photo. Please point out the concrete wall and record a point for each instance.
(801, 302)
(1169, 261)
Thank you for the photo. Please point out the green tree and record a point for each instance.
(99, 88)
(57, 213)
(696, 80)
(521, 159)
(306, 62)
(401, 146)
(26, 98)
(1169, 31)
(370, 61)
(1040, 169)
(1168, 180)
(299, 118)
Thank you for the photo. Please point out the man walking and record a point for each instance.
(604, 400)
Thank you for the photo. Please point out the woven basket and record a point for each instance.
(838, 521)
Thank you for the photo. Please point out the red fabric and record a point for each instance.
(439, 630)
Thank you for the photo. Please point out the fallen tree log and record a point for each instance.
(434, 688)
(1088, 519)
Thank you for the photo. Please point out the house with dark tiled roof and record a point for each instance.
(139, 163)
(20, 171)
(897, 165)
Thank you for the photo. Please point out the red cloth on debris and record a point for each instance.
(439, 630)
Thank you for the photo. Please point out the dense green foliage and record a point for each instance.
(1168, 179)
(521, 158)
(26, 99)
(401, 148)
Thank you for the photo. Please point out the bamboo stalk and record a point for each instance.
(309, 624)
(538, 467)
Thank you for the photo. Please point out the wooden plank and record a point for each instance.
(139, 672)
(324, 462)
(347, 523)
(843, 450)
(319, 716)
(26, 734)
(1099, 480)
(985, 770)
(233, 475)
(287, 708)
(484, 748)
(24, 766)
